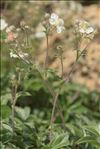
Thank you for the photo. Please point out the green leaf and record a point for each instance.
(5, 98)
(20, 94)
(89, 139)
(23, 113)
(2, 145)
(7, 127)
(33, 84)
(58, 142)
(75, 87)
(5, 111)
(93, 130)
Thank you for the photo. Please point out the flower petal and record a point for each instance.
(54, 16)
(82, 30)
(60, 29)
(90, 30)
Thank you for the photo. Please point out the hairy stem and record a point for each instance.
(77, 54)
(14, 91)
(47, 49)
(14, 98)
(62, 67)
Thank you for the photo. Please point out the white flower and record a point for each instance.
(19, 55)
(82, 30)
(3, 24)
(90, 30)
(57, 22)
(60, 25)
(60, 29)
(84, 27)
(53, 19)
(87, 30)
(13, 55)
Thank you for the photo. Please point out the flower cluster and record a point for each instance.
(84, 28)
(57, 22)
(19, 55)
(13, 55)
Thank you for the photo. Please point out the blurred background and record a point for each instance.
(31, 12)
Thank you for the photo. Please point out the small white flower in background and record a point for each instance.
(3, 24)
(82, 30)
(84, 27)
(53, 19)
(60, 25)
(57, 22)
(19, 54)
(60, 29)
(13, 55)
(90, 30)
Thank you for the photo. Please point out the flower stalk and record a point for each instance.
(47, 52)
